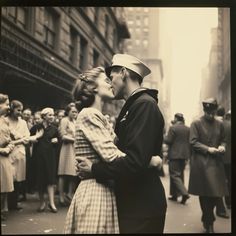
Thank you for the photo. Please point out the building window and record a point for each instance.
(83, 53)
(19, 15)
(73, 45)
(96, 16)
(146, 21)
(50, 26)
(145, 30)
(137, 41)
(138, 22)
(130, 22)
(145, 43)
(106, 27)
(114, 39)
(95, 58)
(137, 30)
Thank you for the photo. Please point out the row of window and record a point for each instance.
(139, 20)
(22, 17)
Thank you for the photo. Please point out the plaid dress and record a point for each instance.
(93, 207)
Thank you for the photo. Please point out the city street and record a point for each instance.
(180, 218)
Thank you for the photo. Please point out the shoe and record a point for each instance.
(210, 229)
(184, 199)
(54, 210)
(63, 204)
(42, 209)
(21, 199)
(3, 217)
(69, 199)
(173, 198)
(223, 215)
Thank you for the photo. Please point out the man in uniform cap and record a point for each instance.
(207, 176)
(140, 196)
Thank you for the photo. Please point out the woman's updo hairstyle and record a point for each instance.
(3, 98)
(85, 88)
(15, 104)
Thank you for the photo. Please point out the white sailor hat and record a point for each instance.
(129, 62)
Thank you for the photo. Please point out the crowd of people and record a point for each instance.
(40, 155)
(106, 173)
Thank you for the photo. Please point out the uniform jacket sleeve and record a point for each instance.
(140, 143)
(194, 140)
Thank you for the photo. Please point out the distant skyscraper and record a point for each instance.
(143, 24)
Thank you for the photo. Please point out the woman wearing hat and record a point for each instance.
(44, 152)
(207, 177)
(93, 207)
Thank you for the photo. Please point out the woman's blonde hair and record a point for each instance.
(85, 88)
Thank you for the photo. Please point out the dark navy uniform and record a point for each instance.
(141, 201)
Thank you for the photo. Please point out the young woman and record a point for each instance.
(93, 207)
(67, 162)
(20, 135)
(6, 180)
(44, 152)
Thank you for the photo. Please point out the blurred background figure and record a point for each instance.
(20, 135)
(44, 152)
(67, 162)
(27, 116)
(227, 156)
(220, 206)
(207, 175)
(178, 154)
(6, 171)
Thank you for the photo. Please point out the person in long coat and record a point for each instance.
(178, 153)
(21, 136)
(207, 177)
(6, 170)
(140, 196)
(67, 162)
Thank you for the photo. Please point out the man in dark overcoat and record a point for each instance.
(140, 196)
(178, 153)
(207, 176)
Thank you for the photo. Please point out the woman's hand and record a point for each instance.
(54, 140)
(39, 133)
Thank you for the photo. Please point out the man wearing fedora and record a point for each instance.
(140, 196)
(178, 153)
(207, 177)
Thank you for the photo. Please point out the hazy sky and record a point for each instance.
(190, 33)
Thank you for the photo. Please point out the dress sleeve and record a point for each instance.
(62, 127)
(99, 136)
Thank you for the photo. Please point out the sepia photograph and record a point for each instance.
(115, 119)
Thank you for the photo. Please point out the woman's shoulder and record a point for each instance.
(89, 113)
